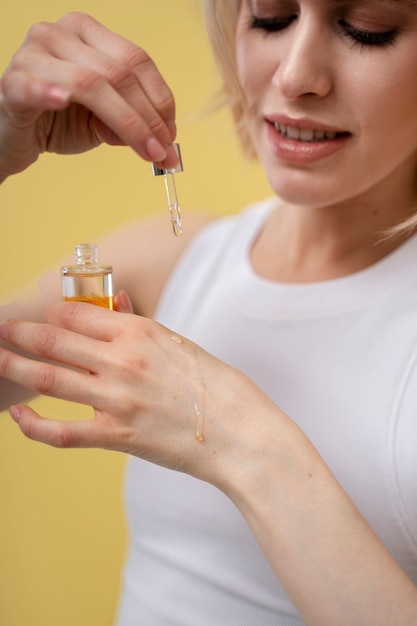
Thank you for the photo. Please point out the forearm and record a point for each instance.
(332, 565)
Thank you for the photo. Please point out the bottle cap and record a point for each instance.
(158, 171)
(86, 254)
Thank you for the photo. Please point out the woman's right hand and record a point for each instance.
(75, 84)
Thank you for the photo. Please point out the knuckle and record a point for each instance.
(139, 61)
(6, 361)
(131, 125)
(69, 315)
(127, 362)
(134, 56)
(156, 125)
(165, 100)
(40, 32)
(88, 80)
(44, 340)
(75, 20)
(119, 74)
(45, 382)
(63, 437)
(74, 16)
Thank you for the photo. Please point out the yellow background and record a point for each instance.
(62, 531)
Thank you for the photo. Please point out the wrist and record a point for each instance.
(258, 447)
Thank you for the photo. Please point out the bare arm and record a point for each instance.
(143, 386)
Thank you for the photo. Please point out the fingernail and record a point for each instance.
(2, 330)
(171, 160)
(15, 412)
(124, 301)
(155, 150)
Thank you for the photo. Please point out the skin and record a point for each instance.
(106, 89)
(308, 528)
(312, 71)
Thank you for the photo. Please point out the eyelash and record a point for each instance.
(270, 24)
(366, 37)
(362, 38)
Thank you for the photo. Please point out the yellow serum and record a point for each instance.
(87, 280)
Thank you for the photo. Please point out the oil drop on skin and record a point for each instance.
(196, 376)
(87, 281)
(199, 424)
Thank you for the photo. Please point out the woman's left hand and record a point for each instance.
(147, 387)
(151, 390)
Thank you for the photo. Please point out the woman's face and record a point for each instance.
(331, 94)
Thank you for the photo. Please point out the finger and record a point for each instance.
(53, 380)
(116, 47)
(91, 89)
(106, 85)
(60, 434)
(49, 342)
(86, 87)
(130, 71)
(123, 303)
(24, 97)
(87, 319)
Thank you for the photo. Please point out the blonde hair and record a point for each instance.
(221, 19)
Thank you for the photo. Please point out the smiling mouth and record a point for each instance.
(306, 134)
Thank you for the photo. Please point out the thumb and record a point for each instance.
(57, 433)
(122, 302)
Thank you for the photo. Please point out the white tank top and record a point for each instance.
(339, 357)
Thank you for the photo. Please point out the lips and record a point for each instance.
(303, 142)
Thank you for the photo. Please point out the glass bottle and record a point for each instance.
(87, 281)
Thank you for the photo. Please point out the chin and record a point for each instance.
(305, 185)
(300, 189)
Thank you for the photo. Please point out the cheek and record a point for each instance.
(386, 95)
(252, 70)
(391, 122)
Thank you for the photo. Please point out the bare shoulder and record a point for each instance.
(144, 253)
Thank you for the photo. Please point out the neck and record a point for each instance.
(309, 244)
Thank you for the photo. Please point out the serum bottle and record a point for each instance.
(87, 281)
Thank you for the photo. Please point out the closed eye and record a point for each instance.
(270, 24)
(366, 37)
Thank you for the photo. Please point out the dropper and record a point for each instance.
(171, 190)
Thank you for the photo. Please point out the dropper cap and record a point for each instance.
(158, 171)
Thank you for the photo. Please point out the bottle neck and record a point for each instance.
(86, 255)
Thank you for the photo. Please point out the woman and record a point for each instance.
(285, 336)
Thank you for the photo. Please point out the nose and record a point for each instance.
(304, 67)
